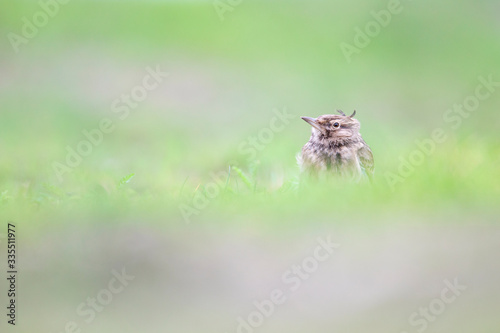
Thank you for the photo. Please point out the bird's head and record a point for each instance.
(334, 127)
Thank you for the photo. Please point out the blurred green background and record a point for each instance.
(153, 173)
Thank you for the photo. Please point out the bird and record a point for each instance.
(336, 148)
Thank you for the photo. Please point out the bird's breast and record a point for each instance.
(342, 160)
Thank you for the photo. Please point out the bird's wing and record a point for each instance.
(365, 157)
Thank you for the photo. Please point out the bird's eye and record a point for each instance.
(336, 125)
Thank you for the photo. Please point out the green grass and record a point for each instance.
(162, 156)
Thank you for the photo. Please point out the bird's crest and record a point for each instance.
(343, 114)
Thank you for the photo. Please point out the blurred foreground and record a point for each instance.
(380, 278)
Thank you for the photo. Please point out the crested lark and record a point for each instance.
(336, 147)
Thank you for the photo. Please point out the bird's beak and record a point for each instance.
(314, 123)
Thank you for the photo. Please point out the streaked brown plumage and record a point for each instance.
(336, 147)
